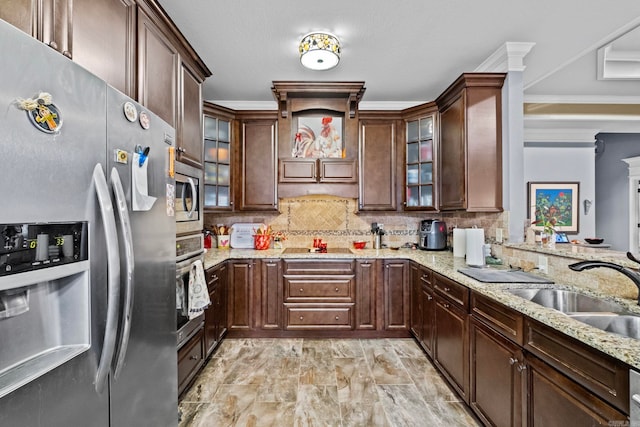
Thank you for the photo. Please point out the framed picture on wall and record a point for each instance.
(554, 204)
(317, 136)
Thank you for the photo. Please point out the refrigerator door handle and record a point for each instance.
(113, 274)
(194, 195)
(127, 237)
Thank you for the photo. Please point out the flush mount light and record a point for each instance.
(319, 51)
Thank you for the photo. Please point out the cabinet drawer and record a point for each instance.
(333, 289)
(319, 317)
(601, 374)
(190, 359)
(498, 317)
(318, 266)
(212, 277)
(453, 291)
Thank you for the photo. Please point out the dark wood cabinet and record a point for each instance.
(422, 306)
(497, 377)
(304, 170)
(189, 120)
(190, 360)
(377, 159)
(419, 158)
(240, 306)
(428, 319)
(555, 400)
(215, 316)
(451, 340)
(470, 145)
(319, 294)
(396, 294)
(366, 294)
(158, 63)
(255, 173)
(603, 375)
(271, 298)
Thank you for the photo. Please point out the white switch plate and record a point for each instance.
(543, 266)
(499, 235)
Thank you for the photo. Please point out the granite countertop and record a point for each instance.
(622, 348)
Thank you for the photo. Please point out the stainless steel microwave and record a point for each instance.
(188, 205)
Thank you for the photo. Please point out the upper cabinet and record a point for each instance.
(134, 47)
(317, 146)
(420, 154)
(218, 157)
(377, 158)
(255, 167)
(470, 155)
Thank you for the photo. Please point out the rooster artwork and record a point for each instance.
(318, 137)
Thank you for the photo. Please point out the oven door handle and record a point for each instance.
(113, 277)
(194, 197)
(127, 237)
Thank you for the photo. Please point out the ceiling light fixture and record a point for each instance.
(319, 50)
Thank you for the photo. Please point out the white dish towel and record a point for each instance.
(198, 291)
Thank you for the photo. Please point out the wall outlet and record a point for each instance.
(543, 265)
(499, 235)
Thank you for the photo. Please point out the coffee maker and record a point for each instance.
(433, 235)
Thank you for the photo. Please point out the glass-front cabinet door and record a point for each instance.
(217, 163)
(420, 160)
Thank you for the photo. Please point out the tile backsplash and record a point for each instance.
(337, 221)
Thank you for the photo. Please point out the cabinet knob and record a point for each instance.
(512, 361)
(337, 317)
(615, 393)
(301, 317)
(447, 289)
(180, 150)
(301, 290)
(521, 367)
(429, 297)
(337, 289)
(194, 358)
(445, 305)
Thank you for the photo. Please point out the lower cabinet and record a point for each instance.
(319, 294)
(366, 290)
(190, 360)
(271, 290)
(396, 295)
(240, 294)
(555, 400)
(496, 389)
(215, 316)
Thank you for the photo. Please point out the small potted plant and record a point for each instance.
(278, 238)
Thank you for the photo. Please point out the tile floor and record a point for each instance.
(321, 382)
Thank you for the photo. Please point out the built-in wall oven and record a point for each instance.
(188, 249)
(189, 193)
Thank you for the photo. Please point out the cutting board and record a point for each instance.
(489, 275)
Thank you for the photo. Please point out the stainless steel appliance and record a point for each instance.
(88, 332)
(634, 398)
(432, 235)
(189, 191)
(188, 249)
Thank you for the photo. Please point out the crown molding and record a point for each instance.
(508, 57)
(580, 99)
(248, 105)
(560, 135)
(363, 105)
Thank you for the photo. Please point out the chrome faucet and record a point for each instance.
(632, 274)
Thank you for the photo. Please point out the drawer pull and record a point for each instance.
(636, 399)
(615, 393)
(445, 305)
(194, 358)
(447, 289)
(429, 297)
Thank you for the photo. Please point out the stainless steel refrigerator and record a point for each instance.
(87, 268)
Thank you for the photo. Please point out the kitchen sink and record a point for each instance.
(567, 301)
(307, 250)
(625, 325)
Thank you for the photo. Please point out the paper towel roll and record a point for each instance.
(475, 247)
(459, 242)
